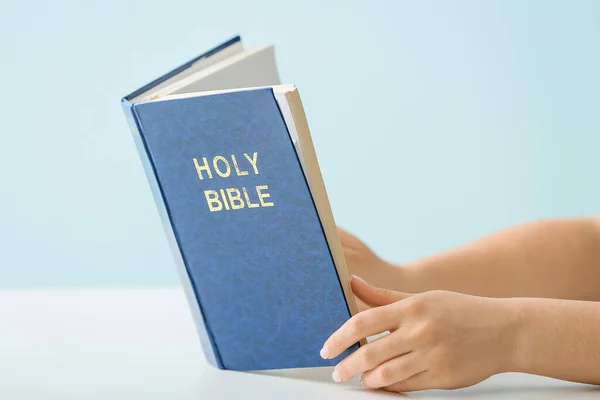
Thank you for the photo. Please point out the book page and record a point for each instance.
(286, 112)
(200, 65)
(250, 68)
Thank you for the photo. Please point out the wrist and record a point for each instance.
(414, 277)
(401, 278)
(513, 335)
(389, 276)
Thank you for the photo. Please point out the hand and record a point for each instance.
(362, 261)
(437, 340)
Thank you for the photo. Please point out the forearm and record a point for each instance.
(555, 338)
(556, 259)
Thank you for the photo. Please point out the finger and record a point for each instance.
(374, 296)
(420, 381)
(362, 325)
(360, 305)
(393, 371)
(370, 356)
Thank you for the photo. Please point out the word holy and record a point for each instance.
(223, 168)
(232, 198)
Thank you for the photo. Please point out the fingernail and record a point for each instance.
(325, 352)
(359, 278)
(336, 376)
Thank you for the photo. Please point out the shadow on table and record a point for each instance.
(321, 374)
(537, 391)
(288, 384)
(517, 386)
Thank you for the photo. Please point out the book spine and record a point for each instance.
(208, 344)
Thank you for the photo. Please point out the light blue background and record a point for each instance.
(434, 122)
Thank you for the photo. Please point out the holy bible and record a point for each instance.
(228, 155)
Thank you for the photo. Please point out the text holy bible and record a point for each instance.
(228, 155)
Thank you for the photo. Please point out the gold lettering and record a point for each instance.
(235, 198)
(253, 161)
(262, 196)
(224, 200)
(204, 167)
(250, 204)
(212, 197)
(237, 169)
(216, 165)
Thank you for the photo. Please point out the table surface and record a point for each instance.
(140, 343)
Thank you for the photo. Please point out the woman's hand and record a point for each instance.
(362, 261)
(437, 340)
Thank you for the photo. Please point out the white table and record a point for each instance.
(141, 344)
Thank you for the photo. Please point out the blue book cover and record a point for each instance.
(240, 215)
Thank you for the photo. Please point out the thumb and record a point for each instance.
(375, 296)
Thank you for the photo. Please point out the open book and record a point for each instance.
(229, 157)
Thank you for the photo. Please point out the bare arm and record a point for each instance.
(557, 258)
(557, 338)
(445, 340)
